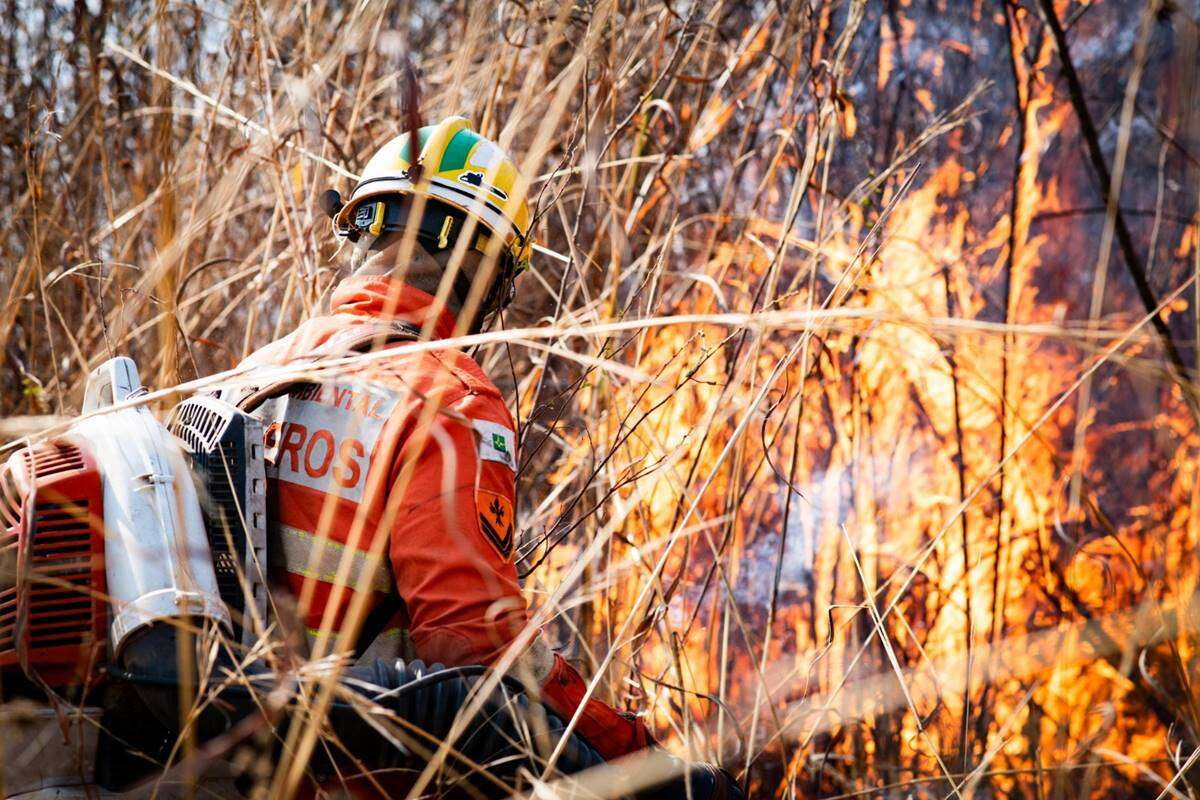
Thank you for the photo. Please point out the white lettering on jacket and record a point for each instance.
(323, 436)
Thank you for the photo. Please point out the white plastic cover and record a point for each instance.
(156, 553)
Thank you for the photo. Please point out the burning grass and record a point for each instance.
(855, 381)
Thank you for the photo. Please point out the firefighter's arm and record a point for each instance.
(451, 554)
(612, 733)
(452, 539)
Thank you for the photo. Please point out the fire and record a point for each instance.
(821, 540)
(911, 494)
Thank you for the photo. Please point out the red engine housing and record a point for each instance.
(53, 607)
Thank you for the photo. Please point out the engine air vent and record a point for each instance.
(226, 450)
(52, 585)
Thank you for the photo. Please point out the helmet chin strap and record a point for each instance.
(490, 303)
(498, 294)
(462, 290)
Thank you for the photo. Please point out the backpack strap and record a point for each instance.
(361, 338)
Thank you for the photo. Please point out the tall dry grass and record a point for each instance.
(855, 380)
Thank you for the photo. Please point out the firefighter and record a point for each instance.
(417, 448)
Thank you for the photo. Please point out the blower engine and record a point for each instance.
(118, 524)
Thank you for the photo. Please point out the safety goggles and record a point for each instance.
(438, 228)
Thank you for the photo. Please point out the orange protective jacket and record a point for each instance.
(392, 485)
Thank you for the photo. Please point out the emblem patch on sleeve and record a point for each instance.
(496, 443)
(496, 520)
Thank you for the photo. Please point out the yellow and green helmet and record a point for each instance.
(459, 167)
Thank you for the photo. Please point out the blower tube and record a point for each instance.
(508, 735)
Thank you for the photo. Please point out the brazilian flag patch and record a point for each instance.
(496, 443)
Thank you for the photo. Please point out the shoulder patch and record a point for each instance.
(496, 520)
(496, 443)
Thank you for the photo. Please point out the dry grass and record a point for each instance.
(852, 454)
